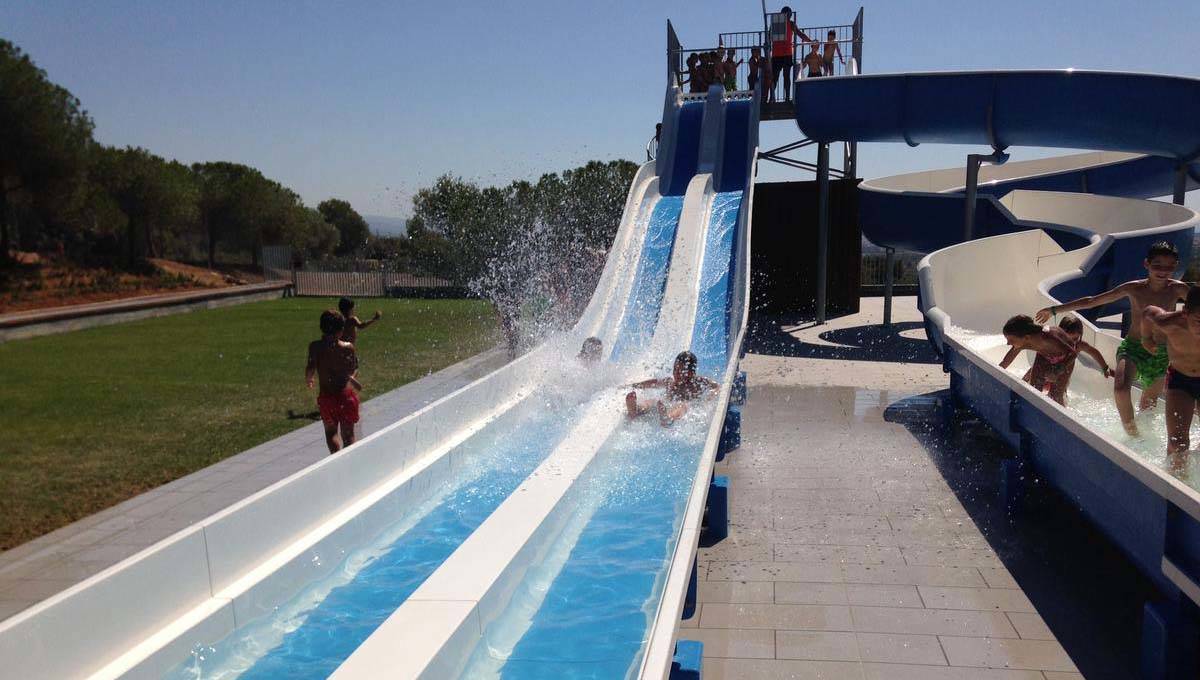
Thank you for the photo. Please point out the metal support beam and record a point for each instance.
(888, 276)
(1180, 184)
(974, 160)
(822, 228)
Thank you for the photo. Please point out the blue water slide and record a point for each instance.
(1123, 112)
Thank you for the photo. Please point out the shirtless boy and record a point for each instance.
(1158, 289)
(814, 62)
(353, 323)
(682, 387)
(832, 49)
(334, 362)
(1181, 331)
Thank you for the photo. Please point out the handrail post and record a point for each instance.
(822, 227)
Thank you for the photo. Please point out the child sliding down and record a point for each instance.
(1056, 349)
(682, 387)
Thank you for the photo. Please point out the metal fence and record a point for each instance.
(364, 284)
(874, 269)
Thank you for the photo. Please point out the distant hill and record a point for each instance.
(383, 225)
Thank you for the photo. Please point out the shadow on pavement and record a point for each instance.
(1089, 594)
(874, 342)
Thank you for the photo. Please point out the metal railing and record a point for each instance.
(694, 70)
(874, 269)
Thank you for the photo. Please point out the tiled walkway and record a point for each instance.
(40, 568)
(849, 556)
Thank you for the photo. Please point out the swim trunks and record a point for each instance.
(1150, 367)
(339, 408)
(1183, 381)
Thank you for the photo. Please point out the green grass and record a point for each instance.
(93, 417)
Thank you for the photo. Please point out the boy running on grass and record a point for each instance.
(334, 362)
(353, 323)
(682, 387)
(1134, 362)
(1181, 331)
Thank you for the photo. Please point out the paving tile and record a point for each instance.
(34, 589)
(894, 648)
(738, 549)
(998, 577)
(10, 607)
(965, 577)
(931, 622)
(725, 642)
(1055, 675)
(778, 669)
(893, 671)
(871, 595)
(774, 571)
(1019, 654)
(956, 557)
(982, 599)
(816, 645)
(735, 591)
(787, 592)
(1030, 626)
(776, 616)
(839, 554)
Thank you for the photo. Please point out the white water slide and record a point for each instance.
(1046, 231)
(414, 552)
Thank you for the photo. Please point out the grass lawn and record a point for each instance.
(93, 417)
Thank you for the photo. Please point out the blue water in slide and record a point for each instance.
(310, 641)
(641, 314)
(632, 499)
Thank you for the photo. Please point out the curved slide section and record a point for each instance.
(1048, 237)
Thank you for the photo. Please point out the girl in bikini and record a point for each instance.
(1056, 349)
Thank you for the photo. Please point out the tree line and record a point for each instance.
(61, 189)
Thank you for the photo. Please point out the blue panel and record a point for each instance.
(687, 147)
(1060, 109)
(735, 156)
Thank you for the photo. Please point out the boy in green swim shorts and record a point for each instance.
(1134, 362)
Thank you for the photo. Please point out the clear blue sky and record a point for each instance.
(370, 101)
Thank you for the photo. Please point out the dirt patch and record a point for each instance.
(32, 282)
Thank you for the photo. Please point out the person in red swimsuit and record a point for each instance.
(334, 362)
(1056, 349)
(783, 49)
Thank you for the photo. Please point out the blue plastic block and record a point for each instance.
(1169, 640)
(737, 394)
(731, 434)
(686, 664)
(689, 600)
(716, 525)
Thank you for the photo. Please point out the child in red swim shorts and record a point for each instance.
(334, 362)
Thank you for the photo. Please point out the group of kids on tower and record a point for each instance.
(1160, 351)
(719, 67)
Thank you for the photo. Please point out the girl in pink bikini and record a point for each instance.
(1056, 349)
